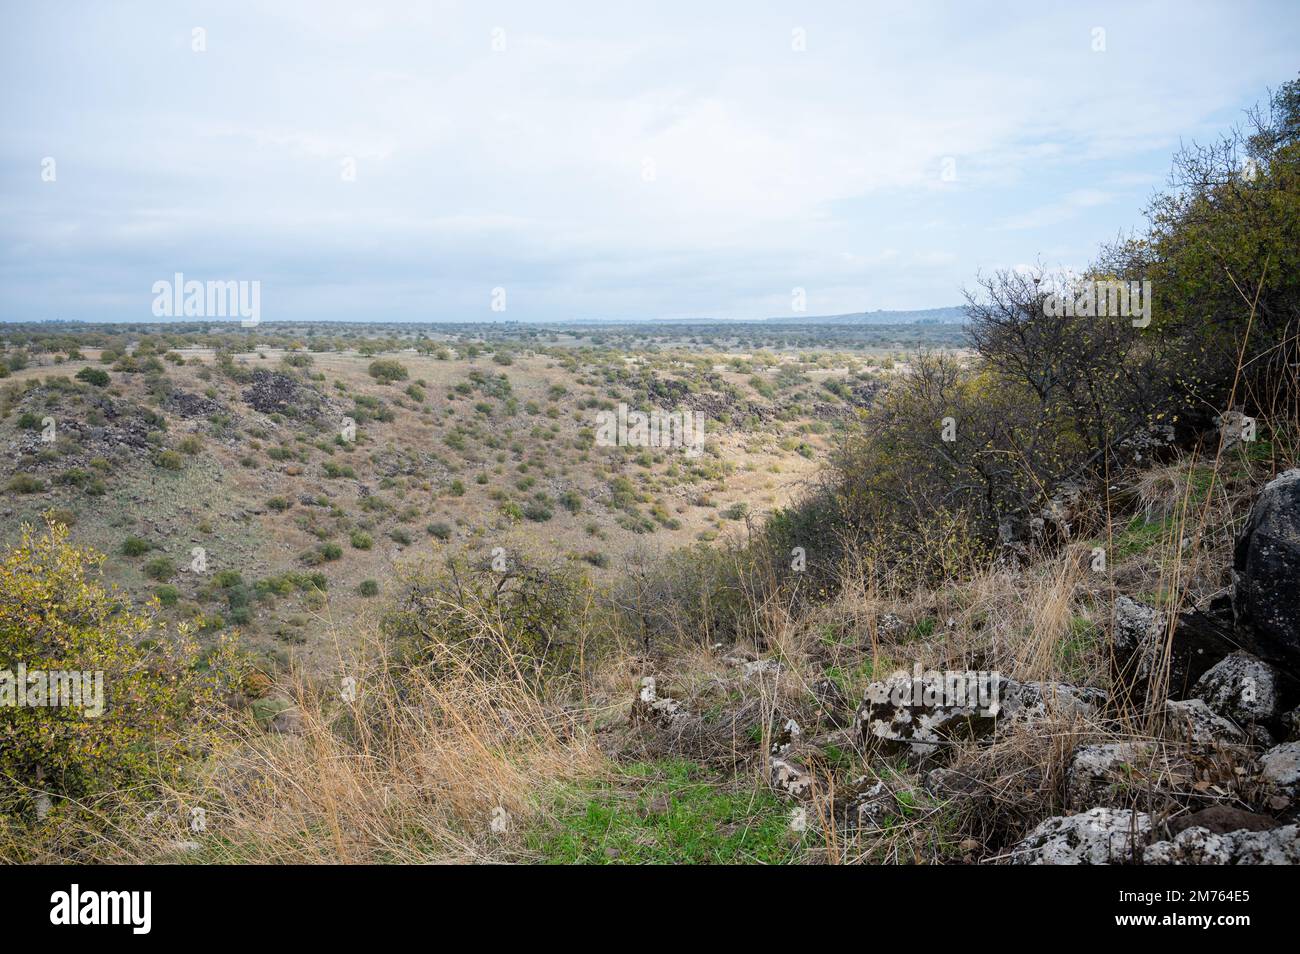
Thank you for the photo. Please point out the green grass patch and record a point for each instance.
(668, 812)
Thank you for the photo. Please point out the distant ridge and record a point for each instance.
(954, 314)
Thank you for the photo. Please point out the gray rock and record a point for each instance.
(923, 712)
(1110, 773)
(650, 707)
(1266, 571)
(1192, 720)
(1200, 846)
(1241, 688)
(1100, 836)
(1279, 768)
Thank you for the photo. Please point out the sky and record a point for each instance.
(438, 161)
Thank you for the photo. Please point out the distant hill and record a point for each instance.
(954, 314)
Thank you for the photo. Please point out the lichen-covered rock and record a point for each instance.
(1279, 768)
(1266, 571)
(1142, 647)
(1191, 720)
(1240, 688)
(1200, 846)
(790, 778)
(650, 707)
(922, 712)
(1110, 773)
(1100, 836)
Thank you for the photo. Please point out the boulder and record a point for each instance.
(1140, 642)
(1200, 846)
(923, 712)
(1242, 689)
(1191, 720)
(1099, 836)
(1111, 773)
(1279, 768)
(1266, 572)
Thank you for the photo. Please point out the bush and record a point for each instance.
(160, 569)
(369, 588)
(154, 700)
(96, 376)
(386, 371)
(362, 540)
(25, 484)
(440, 530)
(135, 546)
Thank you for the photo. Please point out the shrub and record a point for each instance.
(96, 376)
(161, 569)
(386, 371)
(25, 484)
(155, 701)
(135, 546)
(369, 588)
(362, 540)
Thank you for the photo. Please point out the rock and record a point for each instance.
(871, 806)
(1291, 726)
(1192, 720)
(1110, 773)
(761, 667)
(1266, 572)
(1200, 846)
(1140, 637)
(1221, 818)
(790, 778)
(286, 722)
(1100, 836)
(649, 707)
(1241, 688)
(784, 736)
(1279, 768)
(926, 710)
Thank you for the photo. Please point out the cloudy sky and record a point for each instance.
(629, 160)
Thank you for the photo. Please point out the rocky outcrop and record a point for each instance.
(1200, 846)
(1100, 836)
(1266, 572)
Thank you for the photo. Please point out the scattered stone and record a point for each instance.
(923, 711)
(1099, 836)
(790, 778)
(1200, 846)
(650, 707)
